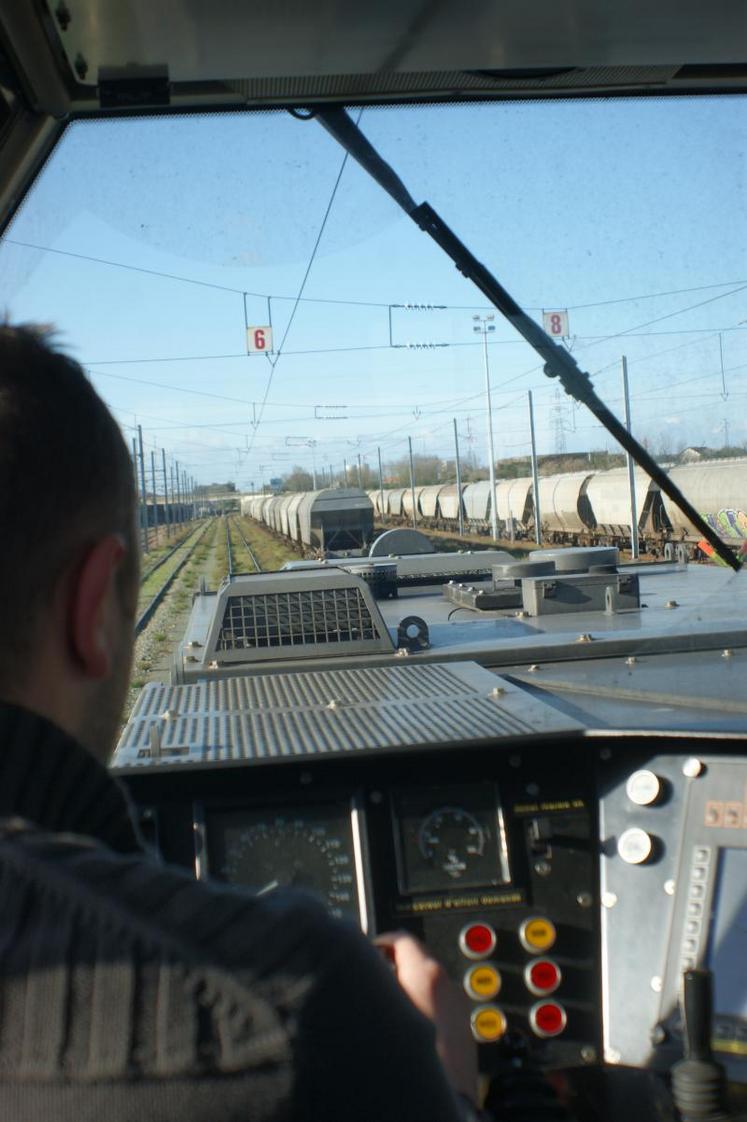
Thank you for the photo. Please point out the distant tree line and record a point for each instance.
(209, 490)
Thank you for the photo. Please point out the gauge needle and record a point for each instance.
(268, 887)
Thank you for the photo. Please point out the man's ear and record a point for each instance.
(93, 619)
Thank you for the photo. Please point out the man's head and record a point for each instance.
(68, 552)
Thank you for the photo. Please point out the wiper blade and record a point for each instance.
(559, 363)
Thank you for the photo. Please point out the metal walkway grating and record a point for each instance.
(289, 619)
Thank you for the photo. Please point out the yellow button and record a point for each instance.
(482, 981)
(537, 934)
(488, 1023)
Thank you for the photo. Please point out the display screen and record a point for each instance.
(449, 838)
(309, 847)
(728, 941)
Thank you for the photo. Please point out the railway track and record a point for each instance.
(145, 576)
(188, 547)
(229, 549)
(246, 547)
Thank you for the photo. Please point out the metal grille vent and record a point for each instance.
(290, 619)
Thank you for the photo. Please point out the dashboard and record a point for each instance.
(565, 882)
(488, 856)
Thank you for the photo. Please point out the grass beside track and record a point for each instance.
(155, 580)
(156, 555)
(271, 552)
(155, 644)
(244, 560)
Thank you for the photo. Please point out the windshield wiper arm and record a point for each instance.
(559, 363)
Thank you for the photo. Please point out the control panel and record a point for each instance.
(488, 856)
(565, 882)
(673, 869)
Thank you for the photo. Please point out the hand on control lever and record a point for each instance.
(431, 990)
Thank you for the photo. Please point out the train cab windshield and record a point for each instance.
(415, 632)
(255, 308)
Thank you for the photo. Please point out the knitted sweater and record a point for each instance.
(129, 991)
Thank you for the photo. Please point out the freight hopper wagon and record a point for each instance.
(332, 522)
(586, 508)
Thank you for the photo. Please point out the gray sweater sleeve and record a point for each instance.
(363, 1052)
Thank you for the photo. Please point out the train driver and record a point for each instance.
(127, 989)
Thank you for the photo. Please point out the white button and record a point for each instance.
(643, 788)
(635, 846)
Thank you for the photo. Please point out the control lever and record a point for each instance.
(698, 1081)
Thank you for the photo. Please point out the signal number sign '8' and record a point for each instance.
(556, 324)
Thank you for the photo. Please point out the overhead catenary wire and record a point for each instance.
(180, 278)
(449, 403)
(588, 339)
(204, 393)
(427, 413)
(274, 362)
(450, 406)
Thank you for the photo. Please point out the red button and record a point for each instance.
(542, 976)
(547, 1018)
(477, 940)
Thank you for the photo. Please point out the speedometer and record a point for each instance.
(308, 847)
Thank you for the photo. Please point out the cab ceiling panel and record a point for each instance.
(224, 40)
(66, 58)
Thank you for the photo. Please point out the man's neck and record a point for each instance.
(47, 778)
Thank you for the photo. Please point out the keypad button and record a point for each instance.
(537, 934)
(542, 976)
(488, 1023)
(477, 940)
(547, 1018)
(482, 982)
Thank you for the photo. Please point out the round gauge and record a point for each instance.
(451, 839)
(293, 852)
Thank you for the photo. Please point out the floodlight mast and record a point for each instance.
(482, 326)
(558, 363)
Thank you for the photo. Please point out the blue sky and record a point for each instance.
(594, 206)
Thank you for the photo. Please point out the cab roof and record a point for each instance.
(70, 58)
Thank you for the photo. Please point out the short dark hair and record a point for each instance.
(66, 480)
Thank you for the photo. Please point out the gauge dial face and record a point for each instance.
(449, 838)
(309, 848)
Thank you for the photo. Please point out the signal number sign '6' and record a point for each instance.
(556, 324)
(259, 340)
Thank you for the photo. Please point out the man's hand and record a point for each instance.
(431, 990)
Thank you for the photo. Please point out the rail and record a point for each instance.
(247, 547)
(162, 560)
(148, 612)
(229, 548)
